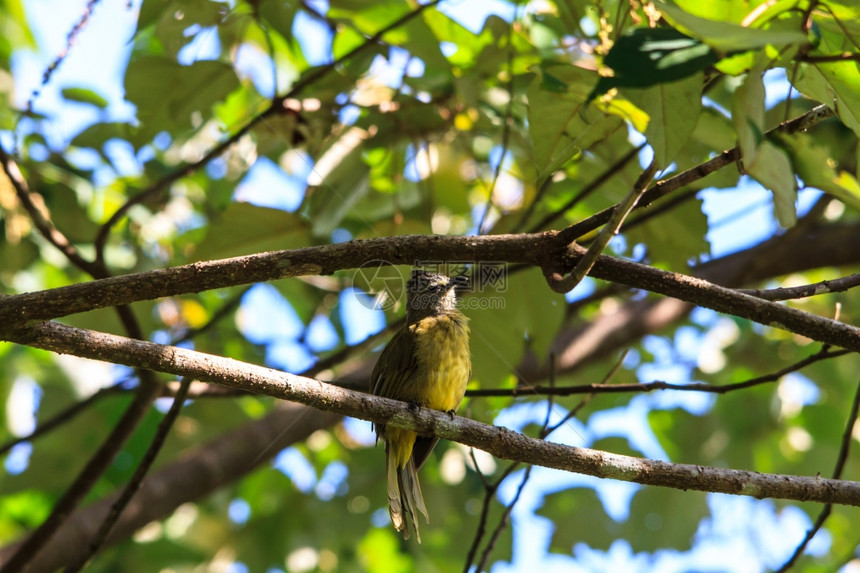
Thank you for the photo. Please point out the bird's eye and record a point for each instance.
(433, 288)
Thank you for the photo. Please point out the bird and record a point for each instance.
(427, 364)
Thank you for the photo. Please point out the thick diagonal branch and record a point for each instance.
(499, 442)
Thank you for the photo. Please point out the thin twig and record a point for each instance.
(76, 492)
(823, 354)
(585, 264)
(604, 292)
(659, 210)
(226, 309)
(70, 39)
(134, 483)
(803, 291)
(837, 473)
(590, 188)
(574, 411)
(63, 416)
(843, 57)
(503, 521)
(546, 430)
(478, 471)
(53, 235)
(490, 492)
(40, 220)
(697, 172)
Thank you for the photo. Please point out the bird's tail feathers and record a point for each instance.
(404, 494)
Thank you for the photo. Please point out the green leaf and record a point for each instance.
(279, 15)
(748, 114)
(645, 57)
(97, 134)
(370, 17)
(676, 240)
(727, 37)
(817, 169)
(27, 507)
(649, 526)
(673, 110)
(170, 96)
(561, 124)
(244, 229)
(773, 169)
(837, 85)
(84, 95)
(762, 160)
(504, 327)
(342, 181)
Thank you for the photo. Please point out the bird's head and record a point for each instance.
(429, 294)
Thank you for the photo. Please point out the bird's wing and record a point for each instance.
(396, 365)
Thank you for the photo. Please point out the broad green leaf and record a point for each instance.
(167, 26)
(340, 182)
(244, 229)
(727, 37)
(673, 110)
(168, 95)
(468, 45)
(842, 81)
(676, 240)
(16, 31)
(85, 95)
(97, 134)
(723, 11)
(505, 327)
(762, 160)
(561, 123)
(645, 57)
(279, 15)
(817, 169)
(715, 130)
(27, 508)
(370, 17)
(748, 114)
(648, 527)
(842, 17)
(736, 64)
(772, 168)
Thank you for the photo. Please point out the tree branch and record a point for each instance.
(603, 388)
(133, 484)
(42, 223)
(499, 442)
(63, 416)
(837, 473)
(663, 188)
(619, 213)
(542, 249)
(803, 291)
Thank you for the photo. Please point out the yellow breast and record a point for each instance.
(445, 365)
